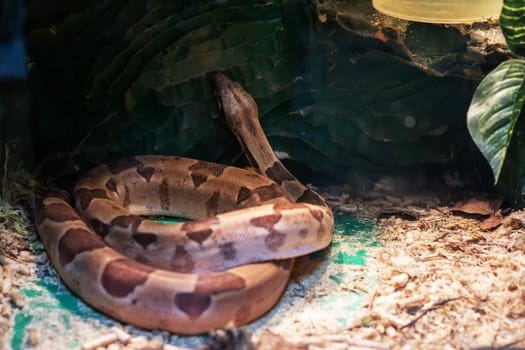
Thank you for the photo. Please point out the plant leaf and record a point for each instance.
(494, 111)
(512, 21)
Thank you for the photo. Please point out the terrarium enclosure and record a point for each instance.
(403, 115)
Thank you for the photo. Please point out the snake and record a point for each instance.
(227, 265)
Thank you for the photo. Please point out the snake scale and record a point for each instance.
(229, 265)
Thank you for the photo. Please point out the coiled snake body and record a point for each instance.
(230, 264)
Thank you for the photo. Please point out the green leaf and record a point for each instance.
(494, 112)
(512, 21)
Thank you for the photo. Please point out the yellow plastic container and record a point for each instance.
(441, 11)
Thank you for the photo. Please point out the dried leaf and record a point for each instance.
(491, 222)
(478, 206)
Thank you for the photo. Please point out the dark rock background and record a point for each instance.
(345, 93)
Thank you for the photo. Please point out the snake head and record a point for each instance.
(236, 106)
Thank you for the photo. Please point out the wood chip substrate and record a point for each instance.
(434, 276)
